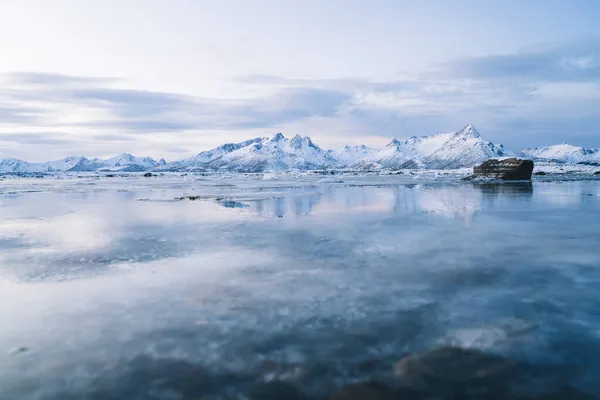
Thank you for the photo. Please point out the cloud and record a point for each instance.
(178, 150)
(17, 114)
(565, 63)
(139, 111)
(34, 138)
(531, 97)
(48, 79)
(114, 137)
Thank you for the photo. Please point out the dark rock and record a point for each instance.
(540, 173)
(468, 178)
(566, 393)
(597, 173)
(507, 169)
(451, 364)
(276, 391)
(233, 204)
(365, 391)
(22, 349)
(192, 198)
(147, 174)
(110, 176)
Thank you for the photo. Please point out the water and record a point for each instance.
(114, 288)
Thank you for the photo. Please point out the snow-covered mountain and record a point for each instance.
(352, 155)
(123, 162)
(275, 154)
(464, 148)
(564, 153)
(11, 165)
(128, 163)
(201, 159)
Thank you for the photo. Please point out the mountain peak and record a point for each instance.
(469, 131)
(278, 136)
(296, 142)
(394, 143)
(309, 142)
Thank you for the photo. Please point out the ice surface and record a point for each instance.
(265, 279)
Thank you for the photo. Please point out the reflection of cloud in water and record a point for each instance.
(460, 202)
(44, 238)
(68, 232)
(566, 194)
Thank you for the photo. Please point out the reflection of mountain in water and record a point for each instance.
(511, 189)
(459, 201)
(279, 207)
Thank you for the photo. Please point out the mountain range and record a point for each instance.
(459, 149)
(121, 163)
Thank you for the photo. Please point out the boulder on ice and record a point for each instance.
(512, 169)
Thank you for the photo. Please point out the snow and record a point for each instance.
(565, 153)
(463, 149)
(275, 154)
(351, 155)
(124, 162)
(127, 162)
(205, 157)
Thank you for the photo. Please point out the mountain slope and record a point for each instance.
(564, 153)
(352, 155)
(123, 162)
(275, 154)
(201, 159)
(464, 148)
(127, 163)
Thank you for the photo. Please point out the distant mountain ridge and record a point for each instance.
(122, 163)
(458, 149)
(564, 153)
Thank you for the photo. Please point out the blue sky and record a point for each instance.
(169, 78)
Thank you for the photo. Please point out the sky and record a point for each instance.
(170, 78)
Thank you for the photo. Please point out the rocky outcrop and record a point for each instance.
(451, 364)
(365, 390)
(512, 169)
(597, 173)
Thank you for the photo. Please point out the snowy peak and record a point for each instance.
(394, 143)
(201, 159)
(352, 155)
(464, 148)
(469, 131)
(457, 149)
(296, 142)
(129, 163)
(278, 137)
(124, 162)
(564, 153)
(276, 153)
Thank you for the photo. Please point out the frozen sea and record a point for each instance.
(290, 287)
